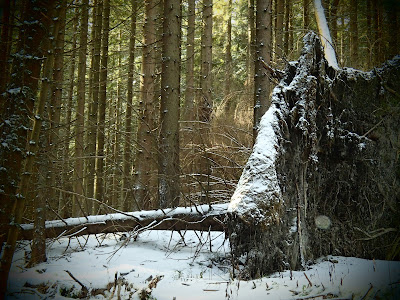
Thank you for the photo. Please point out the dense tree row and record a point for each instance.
(147, 104)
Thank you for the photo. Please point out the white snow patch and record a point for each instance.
(191, 271)
(14, 91)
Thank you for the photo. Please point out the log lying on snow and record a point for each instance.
(202, 217)
(324, 174)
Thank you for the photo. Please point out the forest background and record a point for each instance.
(127, 105)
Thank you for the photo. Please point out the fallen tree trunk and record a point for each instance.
(324, 174)
(203, 217)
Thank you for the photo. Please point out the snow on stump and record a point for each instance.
(324, 174)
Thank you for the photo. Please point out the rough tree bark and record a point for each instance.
(324, 174)
(16, 116)
(145, 162)
(127, 161)
(99, 180)
(168, 156)
(77, 204)
(262, 87)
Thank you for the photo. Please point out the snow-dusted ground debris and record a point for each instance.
(188, 270)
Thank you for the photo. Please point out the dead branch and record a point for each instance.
(275, 73)
(203, 218)
(84, 291)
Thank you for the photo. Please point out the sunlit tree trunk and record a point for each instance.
(77, 205)
(205, 101)
(146, 158)
(228, 52)
(127, 161)
(325, 34)
(168, 156)
(251, 38)
(263, 53)
(99, 187)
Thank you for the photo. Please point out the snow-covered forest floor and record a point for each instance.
(168, 265)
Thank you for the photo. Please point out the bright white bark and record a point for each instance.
(325, 35)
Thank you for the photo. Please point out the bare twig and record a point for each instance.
(84, 288)
(367, 293)
(115, 286)
(309, 281)
(374, 234)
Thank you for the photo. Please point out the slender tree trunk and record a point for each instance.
(188, 111)
(354, 33)
(393, 8)
(146, 162)
(93, 108)
(168, 157)
(127, 161)
(251, 37)
(378, 49)
(56, 89)
(306, 18)
(116, 176)
(99, 187)
(205, 104)
(4, 53)
(333, 21)
(279, 46)
(370, 30)
(13, 131)
(263, 53)
(46, 193)
(288, 25)
(228, 52)
(63, 211)
(77, 205)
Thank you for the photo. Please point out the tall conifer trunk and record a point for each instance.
(78, 204)
(146, 158)
(354, 33)
(263, 53)
(100, 159)
(65, 198)
(168, 156)
(94, 104)
(127, 161)
(16, 115)
(188, 109)
(205, 101)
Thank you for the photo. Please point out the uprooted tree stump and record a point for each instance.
(324, 174)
